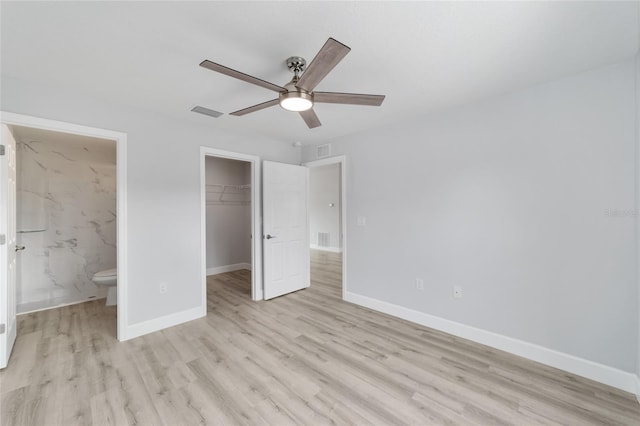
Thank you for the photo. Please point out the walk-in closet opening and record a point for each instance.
(229, 252)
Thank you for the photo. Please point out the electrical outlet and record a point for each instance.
(163, 288)
(457, 292)
(419, 284)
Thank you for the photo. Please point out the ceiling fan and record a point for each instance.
(298, 95)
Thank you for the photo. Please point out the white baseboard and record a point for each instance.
(228, 268)
(592, 370)
(331, 249)
(161, 323)
(31, 307)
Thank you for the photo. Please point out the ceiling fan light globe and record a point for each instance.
(296, 104)
(296, 101)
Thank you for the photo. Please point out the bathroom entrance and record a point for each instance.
(62, 220)
(66, 219)
(230, 219)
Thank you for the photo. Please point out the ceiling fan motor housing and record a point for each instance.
(294, 98)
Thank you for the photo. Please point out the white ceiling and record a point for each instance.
(423, 56)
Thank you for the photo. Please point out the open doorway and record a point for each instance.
(231, 256)
(326, 225)
(66, 219)
(63, 265)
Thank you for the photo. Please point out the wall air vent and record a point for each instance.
(323, 151)
(323, 239)
(206, 111)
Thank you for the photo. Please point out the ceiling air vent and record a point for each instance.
(323, 151)
(206, 111)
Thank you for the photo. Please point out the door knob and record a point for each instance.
(20, 248)
(269, 236)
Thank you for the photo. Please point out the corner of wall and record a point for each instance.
(157, 324)
(299, 151)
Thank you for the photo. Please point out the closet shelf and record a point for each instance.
(219, 193)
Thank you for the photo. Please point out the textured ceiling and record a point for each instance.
(423, 56)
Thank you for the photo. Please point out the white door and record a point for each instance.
(285, 228)
(7, 245)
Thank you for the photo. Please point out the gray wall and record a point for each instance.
(324, 189)
(163, 193)
(228, 223)
(515, 199)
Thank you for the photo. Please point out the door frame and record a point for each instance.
(342, 160)
(120, 139)
(257, 292)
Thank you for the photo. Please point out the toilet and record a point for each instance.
(108, 278)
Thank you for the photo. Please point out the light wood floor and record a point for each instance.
(306, 358)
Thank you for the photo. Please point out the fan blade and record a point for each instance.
(256, 107)
(327, 58)
(240, 75)
(347, 98)
(309, 116)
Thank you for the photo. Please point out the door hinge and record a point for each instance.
(3, 239)
(3, 327)
(1, 149)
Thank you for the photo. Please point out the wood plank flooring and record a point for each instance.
(306, 358)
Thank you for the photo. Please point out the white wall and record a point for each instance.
(515, 200)
(229, 222)
(324, 189)
(66, 219)
(163, 194)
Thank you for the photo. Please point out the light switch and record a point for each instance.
(362, 221)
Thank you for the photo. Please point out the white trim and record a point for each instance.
(638, 388)
(342, 160)
(257, 292)
(156, 324)
(580, 366)
(61, 305)
(228, 268)
(121, 193)
(323, 248)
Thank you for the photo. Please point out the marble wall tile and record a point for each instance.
(67, 215)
